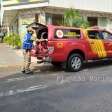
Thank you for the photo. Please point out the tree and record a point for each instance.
(73, 18)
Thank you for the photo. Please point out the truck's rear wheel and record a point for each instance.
(75, 62)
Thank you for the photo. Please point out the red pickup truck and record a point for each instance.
(72, 46)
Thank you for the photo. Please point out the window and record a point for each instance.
(67, 34)
(57, 19)
(94, 34)
(107, 35)
(93, 21)
(99, 35)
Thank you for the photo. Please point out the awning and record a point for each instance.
(36, 25)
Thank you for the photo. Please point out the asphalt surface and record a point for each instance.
(52, 89)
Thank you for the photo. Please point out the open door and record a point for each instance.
(40, 29)
(40, 50)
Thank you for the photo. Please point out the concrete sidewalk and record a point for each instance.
(11, 60)
(8, 56)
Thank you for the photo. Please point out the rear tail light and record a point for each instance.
(50, 49)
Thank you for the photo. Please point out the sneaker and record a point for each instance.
(23, 71)
(28, 72)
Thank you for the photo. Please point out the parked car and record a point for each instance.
(72, 46)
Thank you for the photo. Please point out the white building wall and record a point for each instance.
(102, 21)
(92, 5)
(109, 25)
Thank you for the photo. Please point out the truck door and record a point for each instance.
(107, 38)
(96, 44)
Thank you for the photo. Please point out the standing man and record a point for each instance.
(27, 46)
(1, 36)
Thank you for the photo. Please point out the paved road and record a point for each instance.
(54, 90)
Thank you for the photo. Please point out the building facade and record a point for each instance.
(19, 13)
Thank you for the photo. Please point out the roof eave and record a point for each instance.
(26, 6)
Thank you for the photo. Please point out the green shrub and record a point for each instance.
(13, 40)
(72, 17)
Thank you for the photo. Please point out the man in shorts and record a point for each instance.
(27, 46)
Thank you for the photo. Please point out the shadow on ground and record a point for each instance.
(48, 69)
(97, 64)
